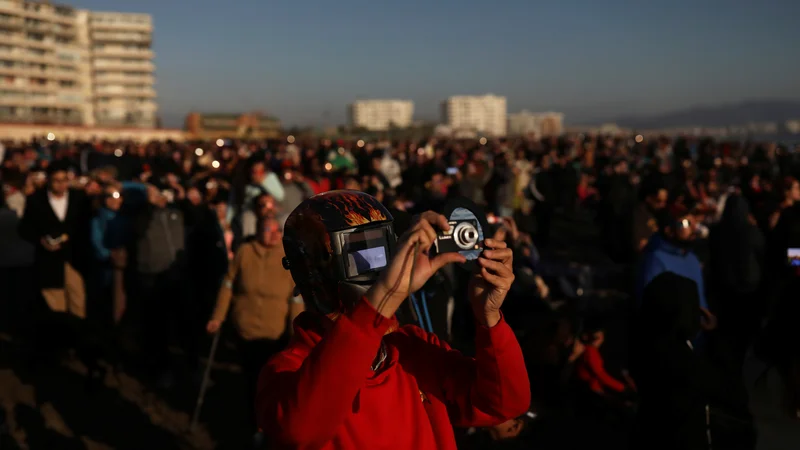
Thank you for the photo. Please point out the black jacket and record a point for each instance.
(40, 220)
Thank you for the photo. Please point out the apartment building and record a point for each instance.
(540, 124)
(122, 63)
(380, 115)
(45, 76)
(65, 66)
(485, 114)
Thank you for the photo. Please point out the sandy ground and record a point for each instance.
(51, 409)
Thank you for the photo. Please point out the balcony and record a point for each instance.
(95, 25)
(125, 93)
(38, 27)
(11, 23)
(104, 36)
(118, 78)
(12, 100)
(46, 44)
(64, 31)
(121, 52)
(54, 118)
(19, 71)
(138, 66)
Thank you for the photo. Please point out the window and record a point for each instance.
(66, 83)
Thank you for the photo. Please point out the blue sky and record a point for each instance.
(305, 60)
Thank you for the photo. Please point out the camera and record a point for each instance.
(462, 236)
(466, 233)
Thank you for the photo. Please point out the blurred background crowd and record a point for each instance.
(125, 256)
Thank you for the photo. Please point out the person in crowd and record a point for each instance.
(16, 276)
(681, 391)
(13, 193)
(477, 173)
(110, 232)
(542, 189)
(737, 255)
(316, 176)
(56, 222)
(160, 259)
(262, 307)
(352, 372)
(265, 205)
(670, 250)
(296, 190)
(645, 217)
(261, 181)
(590, 368)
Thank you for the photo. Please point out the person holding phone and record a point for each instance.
(56, 221)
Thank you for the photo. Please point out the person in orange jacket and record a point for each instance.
(351, 378)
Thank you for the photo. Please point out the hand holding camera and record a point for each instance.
(488, 287)
(392, 288)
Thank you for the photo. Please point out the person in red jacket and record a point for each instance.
(351, 378)
(591, 368)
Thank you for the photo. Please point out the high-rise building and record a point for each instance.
(122, 61)
(57, 64)
(484, 114)
(381, 115)
(540, 124)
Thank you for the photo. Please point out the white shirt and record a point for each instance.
(59, 205)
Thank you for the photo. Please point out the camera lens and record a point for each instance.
(465, 236)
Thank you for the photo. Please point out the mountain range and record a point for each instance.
(755, 111)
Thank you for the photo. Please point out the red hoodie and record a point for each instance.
(321, 394)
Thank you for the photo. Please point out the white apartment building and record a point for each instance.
(540, 124)
(484, 114)
(380, 115)
(49, 66)
(122, 61)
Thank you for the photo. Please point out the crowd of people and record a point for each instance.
(125, 251)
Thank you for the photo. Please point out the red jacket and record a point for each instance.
(321, 393)
(591, 370)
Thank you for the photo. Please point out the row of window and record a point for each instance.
(122, 19)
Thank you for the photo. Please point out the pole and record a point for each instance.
(206, 378)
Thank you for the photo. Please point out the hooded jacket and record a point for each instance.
(320, 392)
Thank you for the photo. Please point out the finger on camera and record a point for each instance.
(498, 267)
(494, 244)
(503, 255)
(427, 228)
(444, 259)
(495, 280)
(437, 220)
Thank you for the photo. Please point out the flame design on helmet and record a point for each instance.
(307, 241)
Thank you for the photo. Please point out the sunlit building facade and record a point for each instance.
(65, 66)
(485, 114)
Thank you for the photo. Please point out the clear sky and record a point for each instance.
(305, 60)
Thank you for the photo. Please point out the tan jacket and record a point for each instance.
(261, 290)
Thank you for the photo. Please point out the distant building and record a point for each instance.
(65, 66)
(252, 125)
(793, 126)
(484, 114)
(540, 124)
(122, 62)
(381, 115)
